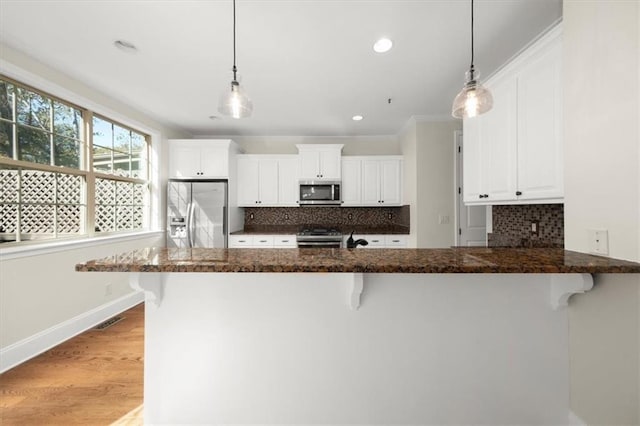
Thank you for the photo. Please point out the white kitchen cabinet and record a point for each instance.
(320, 161)
(382, 182)
(513, 153)
(199, 158)
(351, 186)
(372, 180)
(380, 240)
(540, 159)
(288, 181)
(262, 241)
(267, 180)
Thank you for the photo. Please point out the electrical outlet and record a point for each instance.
(350, 216)
(390, 216)
(443, 219)
(598, 241)
(535, 227)
(286, 217)
(108, 289)
(251, 216)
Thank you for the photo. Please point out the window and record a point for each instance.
(65, 171)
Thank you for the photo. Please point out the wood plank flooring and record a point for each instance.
(95, 378)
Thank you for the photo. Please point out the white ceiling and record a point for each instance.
(308, 65)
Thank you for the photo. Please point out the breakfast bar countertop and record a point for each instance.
(446, 260)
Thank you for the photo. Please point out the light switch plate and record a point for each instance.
(598, 241)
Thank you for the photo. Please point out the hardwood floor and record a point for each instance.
(96, 378)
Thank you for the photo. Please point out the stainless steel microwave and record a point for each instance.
(320, 193)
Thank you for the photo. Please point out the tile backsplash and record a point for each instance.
(512, 225)
(327, 216)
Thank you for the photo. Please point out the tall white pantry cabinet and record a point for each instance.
(513, 153)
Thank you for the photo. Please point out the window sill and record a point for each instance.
(58, 246)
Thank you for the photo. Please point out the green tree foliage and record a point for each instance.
(47, 131)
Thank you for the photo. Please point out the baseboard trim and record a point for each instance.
(32, 346)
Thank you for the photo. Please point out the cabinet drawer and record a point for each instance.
(263, 240)
(240, 241)
(375, 241)
(395, 240)
(284, 241)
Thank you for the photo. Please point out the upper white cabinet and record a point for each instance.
(319, 162)
(513, 153)
(199, 158)
(372, 181)
(267, 180)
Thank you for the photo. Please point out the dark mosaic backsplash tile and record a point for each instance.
(512, 226)
(338, 217)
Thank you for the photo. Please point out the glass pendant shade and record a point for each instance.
(474, 99)
(235, 103)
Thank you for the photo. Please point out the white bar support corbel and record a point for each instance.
(563, 286)
(151, 283)
(356, 286)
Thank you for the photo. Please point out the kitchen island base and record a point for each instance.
(290, 348)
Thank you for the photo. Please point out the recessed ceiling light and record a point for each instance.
(125, 46)
(357, 117)
(383, 45)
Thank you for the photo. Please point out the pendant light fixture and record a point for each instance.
(235, 103)
(474, 99)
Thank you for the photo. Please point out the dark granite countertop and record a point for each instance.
(345, 229)
(452, 260)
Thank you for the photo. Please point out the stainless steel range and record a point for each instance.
(316, 237)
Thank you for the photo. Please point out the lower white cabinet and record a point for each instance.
(262, 241)
(380, 240)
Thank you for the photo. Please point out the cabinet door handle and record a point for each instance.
(518, 192)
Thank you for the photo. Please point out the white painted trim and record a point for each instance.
(63, 245)
(356, 286)
(32, 346)
(150, 283)
(563, 286)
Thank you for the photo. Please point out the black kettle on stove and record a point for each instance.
(351, 243)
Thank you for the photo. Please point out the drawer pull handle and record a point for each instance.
(395, 241)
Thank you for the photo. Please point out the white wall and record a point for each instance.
(40, 292)
(356, 145)
(602, 191)
(408, 146)
(435, 182)
(429, 152)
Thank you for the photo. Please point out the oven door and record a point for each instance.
(319, 244)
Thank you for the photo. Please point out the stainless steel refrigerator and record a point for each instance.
(197, 213)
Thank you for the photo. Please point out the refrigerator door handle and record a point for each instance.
(190, 213)
(224, 225)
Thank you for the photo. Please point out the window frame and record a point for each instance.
(85, 170)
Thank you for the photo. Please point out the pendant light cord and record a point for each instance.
(235, 70)
(471, 68)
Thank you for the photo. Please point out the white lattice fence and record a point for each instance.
(119, 205)
(43, 202)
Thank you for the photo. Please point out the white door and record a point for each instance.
(351, 182)
(288, 182)
(248, 182)
(390, 182)
(330, 164)
(370, 183)
(471, 220)
(184, 160)
(498, 134)
(268, 182)
(540, 127)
